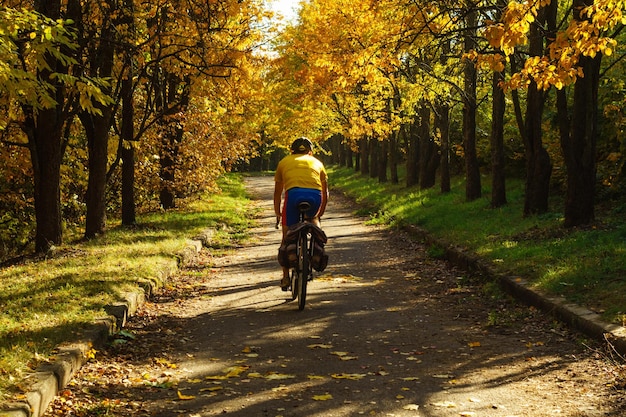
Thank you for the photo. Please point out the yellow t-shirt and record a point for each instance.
(300, 170)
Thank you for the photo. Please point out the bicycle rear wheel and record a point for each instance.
(304, 268)
(294, 283)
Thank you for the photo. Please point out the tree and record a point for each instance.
(44, 46)
(572, 56)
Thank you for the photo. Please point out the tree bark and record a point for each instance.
(374, 150)
(429, 154)
(498, 182)
(46, 142)
(579, 142)
(442, 126)
(412, 159)
(393, 157)
(472, 169)
(128, 152)
(538, 164)
(383, 160)
(364, 156)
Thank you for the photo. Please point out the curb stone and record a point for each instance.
(577, 317)
(50, 378)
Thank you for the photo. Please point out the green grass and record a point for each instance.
(44, 302)
(587, 265)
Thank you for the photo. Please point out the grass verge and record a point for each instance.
(585, 265)
(47, 301)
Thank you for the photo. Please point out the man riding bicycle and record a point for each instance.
(303, 178)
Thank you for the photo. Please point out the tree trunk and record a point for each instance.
(46, 143)
(412, 157)
(349, 156)
(46, 151)
(393, 157)
(128, 152)
(579, 143)
(442, 126)
(364, 156)
(498, 183)
(374, 147)
(472, 169)
(538, 165)
(383, 160)
(97, 130)
(429, 155)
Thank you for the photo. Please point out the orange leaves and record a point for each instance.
(559, 66)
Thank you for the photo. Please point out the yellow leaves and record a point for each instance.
(353, 377)
(272, 376)
(344, 356)
(559, 67)
(231, 372)
(183, 397)
(320, 346)
(165, 363)
(324, 397)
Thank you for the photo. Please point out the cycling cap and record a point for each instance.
(302, 144)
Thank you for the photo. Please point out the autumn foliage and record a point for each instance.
(111, 106)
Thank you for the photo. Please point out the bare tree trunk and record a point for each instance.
(498, 183)
(472, 170)
(538, 164)
(579, 140)
(442, 126)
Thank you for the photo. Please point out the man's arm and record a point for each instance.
(324, 196)
(278, 192)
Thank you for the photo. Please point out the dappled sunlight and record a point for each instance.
(385, 331)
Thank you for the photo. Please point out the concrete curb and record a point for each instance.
(577, 317)
(52, 377)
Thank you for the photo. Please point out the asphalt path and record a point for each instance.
(386, 331)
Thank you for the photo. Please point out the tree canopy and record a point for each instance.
(117, 105)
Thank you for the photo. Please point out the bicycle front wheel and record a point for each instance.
(304, 263)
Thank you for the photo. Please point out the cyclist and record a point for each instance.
(303, 178)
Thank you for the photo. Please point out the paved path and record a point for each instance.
(386, 332)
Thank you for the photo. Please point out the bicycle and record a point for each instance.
(302, 271)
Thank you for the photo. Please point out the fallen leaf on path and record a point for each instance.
(324, 397)
(235, 371)
(315, 377)
(467, 413)
(349, 376)
(444, 404)
(183, 397)
(320, 346)
(194, 381)
(275, 376)
(165, 363)
(473, 344)
(411, 378)
(411, 407)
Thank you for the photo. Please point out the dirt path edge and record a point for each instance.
(52, 377)
(575, 316)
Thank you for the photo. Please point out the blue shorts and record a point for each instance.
(293, 197)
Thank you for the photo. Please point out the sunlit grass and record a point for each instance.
(586, 265)
(44, 302)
